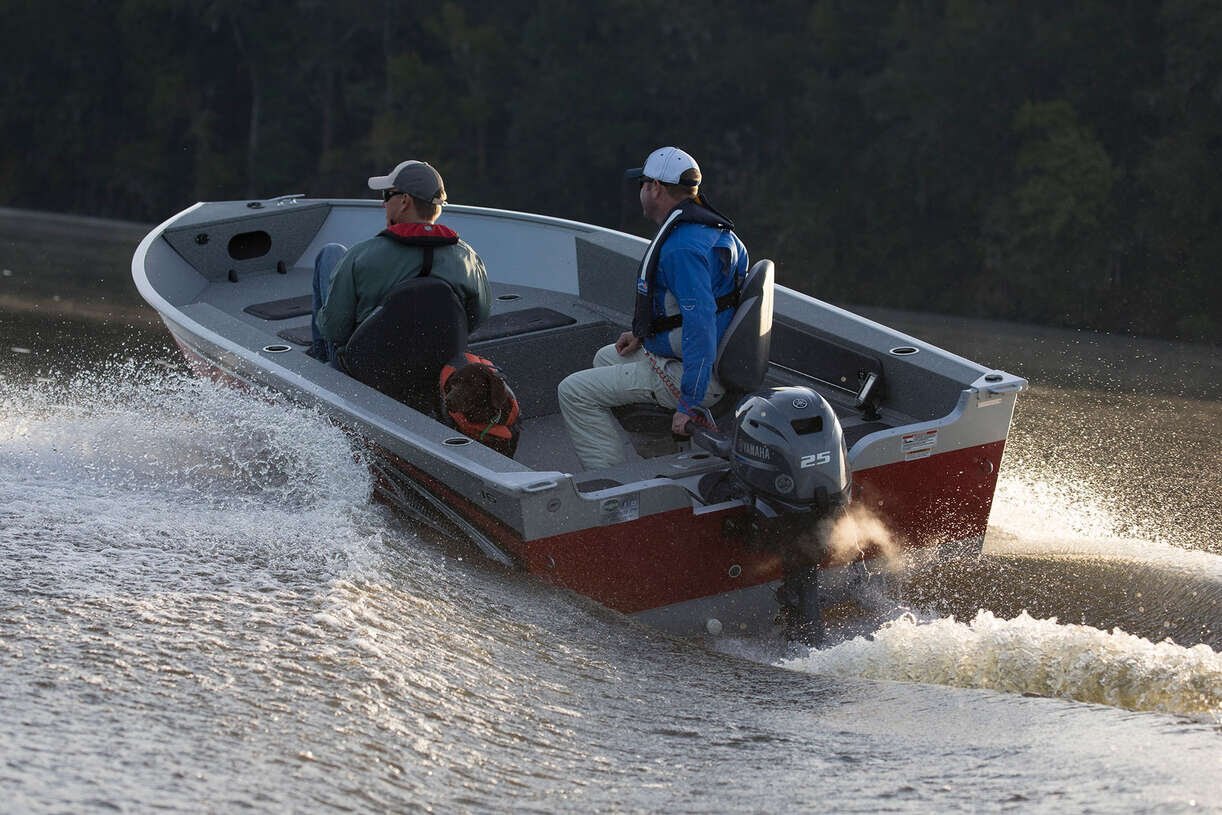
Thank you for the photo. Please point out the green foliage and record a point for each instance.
(1046, 235)
(1037, 161)
(1065, 176)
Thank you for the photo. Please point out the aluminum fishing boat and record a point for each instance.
(724, 536)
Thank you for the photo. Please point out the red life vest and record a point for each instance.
(426, 236)
(501, 434)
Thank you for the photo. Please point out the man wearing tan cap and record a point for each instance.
(350, 284)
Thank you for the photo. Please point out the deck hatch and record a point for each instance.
(250, 245)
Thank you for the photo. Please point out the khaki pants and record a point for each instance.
(586, 399)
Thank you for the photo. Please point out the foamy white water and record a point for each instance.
(1045, 508)
(1050, 515)
(1030, 656)
(166, 469)
(200, 609)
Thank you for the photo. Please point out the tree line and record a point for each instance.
(1038, 161)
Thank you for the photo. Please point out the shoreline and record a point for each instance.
(78, 310)
(1040, 353)
(56, 223)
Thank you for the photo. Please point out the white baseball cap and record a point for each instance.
(670, 165)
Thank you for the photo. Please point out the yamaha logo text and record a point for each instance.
(753, 449)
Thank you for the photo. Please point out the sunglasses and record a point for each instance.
(389, 194)
(645, 181)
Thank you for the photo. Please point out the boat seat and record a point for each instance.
(401, 347)
(496, 327)
(282, 309)
(520, 321)
(742, 362)
(301, 335)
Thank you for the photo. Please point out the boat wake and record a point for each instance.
(1061, 548)
(1048, 509)
(185, 477)
(1031, 656)
(1067, 601)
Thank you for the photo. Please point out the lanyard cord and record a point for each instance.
(661, 374)
(674, 391)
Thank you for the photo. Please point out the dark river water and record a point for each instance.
(201, 609)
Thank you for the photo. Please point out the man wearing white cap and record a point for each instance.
(687, 290)
(350, 284)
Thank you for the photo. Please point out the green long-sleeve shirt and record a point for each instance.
(372, 268)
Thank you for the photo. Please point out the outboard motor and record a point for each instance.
(788, 459)
(789, 452)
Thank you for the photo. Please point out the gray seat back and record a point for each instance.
(742, 355)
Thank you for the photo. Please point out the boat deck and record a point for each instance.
(528, 324)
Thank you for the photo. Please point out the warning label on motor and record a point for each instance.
(918, 445)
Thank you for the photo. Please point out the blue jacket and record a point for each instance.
(696, 265)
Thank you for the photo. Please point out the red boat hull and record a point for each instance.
(676, 556)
